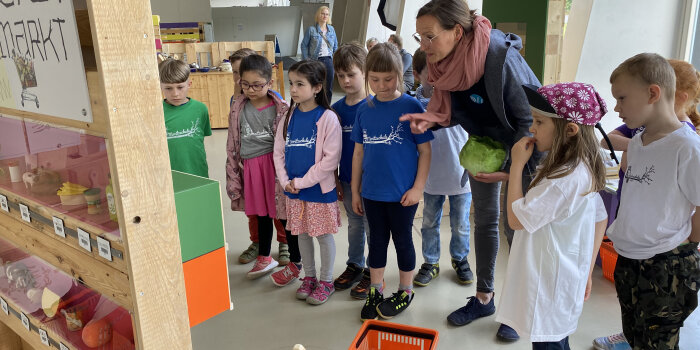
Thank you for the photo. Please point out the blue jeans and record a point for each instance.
(328, 62)
(459, 223)
(358, 229)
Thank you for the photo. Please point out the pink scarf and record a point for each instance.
(459, 71)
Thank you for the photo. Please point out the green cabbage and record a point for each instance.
(482, 154)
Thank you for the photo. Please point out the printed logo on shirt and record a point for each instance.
(248, 132)
(307, 142)
(476, 99)
(641, 178)
(392, 137)
(191, 132)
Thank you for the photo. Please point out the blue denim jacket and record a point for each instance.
(311, 45)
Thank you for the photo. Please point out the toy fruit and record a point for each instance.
(97, 332)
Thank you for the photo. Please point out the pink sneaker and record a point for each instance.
(308, 284)
(287, 275)
(263, 265)
(321, 294)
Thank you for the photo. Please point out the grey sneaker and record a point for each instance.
(283, 256)
(464, 273)
(426, 274)
(249, 254)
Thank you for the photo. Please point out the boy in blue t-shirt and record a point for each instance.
(186, 120)
(348, 63)
(444, 179)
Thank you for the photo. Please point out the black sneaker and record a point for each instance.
(393, 306)
(350, 276)
(464, 273)
(360, 290)
(472, 311)
(369, 311)
(426, 274)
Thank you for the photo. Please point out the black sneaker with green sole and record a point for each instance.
(369, 311)
(464, 273)
(426, 274)
(394, 305)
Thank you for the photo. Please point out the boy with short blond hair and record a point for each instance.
(348, 62)
(186, 120)
(657, 228)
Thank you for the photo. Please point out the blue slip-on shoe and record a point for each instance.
(506, 333)
(470, 312)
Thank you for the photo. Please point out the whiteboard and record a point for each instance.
(41, 65)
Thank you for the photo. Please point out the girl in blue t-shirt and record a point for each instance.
(307, 153)
(389, 169)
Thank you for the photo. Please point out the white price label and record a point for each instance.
(44, 337)
(104, 249)
(3, 203)
(3, 305)
(25, 320)
(84, 239)
(58, 227)
(24, 210)
(62, 347)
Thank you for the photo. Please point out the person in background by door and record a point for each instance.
(407, 60)
(320, 43)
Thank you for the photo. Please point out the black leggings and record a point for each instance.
(264, 235)
(293, 243)
(390, 220)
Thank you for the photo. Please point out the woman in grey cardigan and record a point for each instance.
(477, 74)
(320, 43)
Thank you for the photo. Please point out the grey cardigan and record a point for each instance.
(505, 72)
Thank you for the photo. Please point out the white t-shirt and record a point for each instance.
(325, 50)
(661, 190)
(445, 176)
(549, 261)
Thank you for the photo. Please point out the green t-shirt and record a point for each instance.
(187, 125)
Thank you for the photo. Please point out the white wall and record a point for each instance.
(182, 10)
(231, 3)
(617, 31)
(374, 24)
(253, 23)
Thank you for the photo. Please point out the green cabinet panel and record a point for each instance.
(199, 215)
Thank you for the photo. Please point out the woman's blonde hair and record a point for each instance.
(384, 58)
(568, 151)
(318, 13)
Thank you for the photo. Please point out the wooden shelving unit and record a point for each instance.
(145, 275)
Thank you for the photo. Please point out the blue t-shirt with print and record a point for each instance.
(300, 154)
(390, 158)
(347, 120)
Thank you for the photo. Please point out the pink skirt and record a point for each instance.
(259, 186)
(315, 219)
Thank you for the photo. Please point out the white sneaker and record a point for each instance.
(263, 265)
(613, 342)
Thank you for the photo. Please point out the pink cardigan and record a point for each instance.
(234, 163)
(329, 142)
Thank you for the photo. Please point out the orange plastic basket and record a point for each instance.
(376, 335)
(608, 257)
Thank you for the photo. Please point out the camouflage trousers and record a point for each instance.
(656, 295)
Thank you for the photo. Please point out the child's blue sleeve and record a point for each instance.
(356, 135)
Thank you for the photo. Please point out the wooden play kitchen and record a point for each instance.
(214, 88)
(90, 250)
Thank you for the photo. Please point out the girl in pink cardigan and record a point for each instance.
(307, 152)
(250, 170)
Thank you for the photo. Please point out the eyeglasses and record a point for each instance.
(419, 40)
(256, 87)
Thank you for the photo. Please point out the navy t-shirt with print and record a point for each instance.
(347, 120)
(300, 154)
(390, 158)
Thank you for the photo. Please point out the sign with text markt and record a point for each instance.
(41, 65)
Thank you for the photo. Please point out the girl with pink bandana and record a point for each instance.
(560, 222)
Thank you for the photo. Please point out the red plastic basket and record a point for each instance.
(392, 336)
(608, 257)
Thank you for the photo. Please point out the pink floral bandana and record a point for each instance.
(576, 102)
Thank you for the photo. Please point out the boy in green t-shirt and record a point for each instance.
(186, 120)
